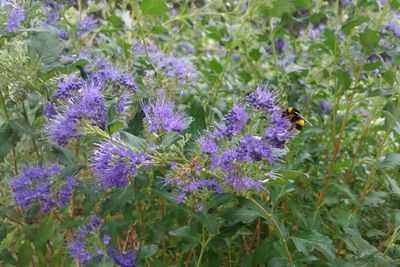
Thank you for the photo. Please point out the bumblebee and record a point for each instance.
(296, 119)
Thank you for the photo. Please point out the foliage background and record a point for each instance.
(336, 200)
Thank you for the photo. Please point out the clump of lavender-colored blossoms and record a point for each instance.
(17, 15)
(180, 70)
(41, 185)
(84, 100)
(114, 163)
(160, 116)
(88, 105)
(86, 245)
(232, 151)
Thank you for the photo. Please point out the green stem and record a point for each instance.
(80, 9)
(204, 243)
(215, 89)
(392, 240)
(272, 41)
(268, 216)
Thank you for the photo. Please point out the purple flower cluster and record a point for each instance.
(86, 24)
(77, 247)
(114, 163)
(179, 68)
(83, 250)
(196, 186)
(244, 183)
(17, 15)
(277, 134)
(160, 116)
(67, 85)
(393, 27)
(124, 259)
(324, 107)
(247, 148)
(37, 185)
(88, 105)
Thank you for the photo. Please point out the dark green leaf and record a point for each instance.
(186, 232)
(46, 74)
(209, 222)
(310, 240)
(196, 111)
(169, 139)
(244, 215)
(132, 140)
(357, 244)
(47, 46)
(42, 232)
(7, 257)
(394, 186)
(391, 161)
(147, 251)
(8, 140)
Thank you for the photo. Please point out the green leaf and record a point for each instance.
(391, 161)
(390, 77)
(369, 39)
(8, 140)
(21, 126)
(209, 222)
(186, 232)
(51, 71)
(344, 79)
(153, 7)
(147, 251)
(215, 66)
(133, 141)
(244, 215)
(25, 254)
(220, 199)
(7, 257)
(255, 54)
(40, 233)
(307, 241)
(197, 112)
(116, 126)
(354, 22)
(357, 244)
(47, 46)
(393, 186)
(169, 139)
(63, 154)
(118, 199)
(278, 8)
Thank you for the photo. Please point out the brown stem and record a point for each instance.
(57, 217)
(141, 223)
(247, 247)
(341, 132)
(189, 258)
(13, 220)
(256, 235)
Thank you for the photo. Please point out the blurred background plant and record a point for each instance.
(150, 133)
